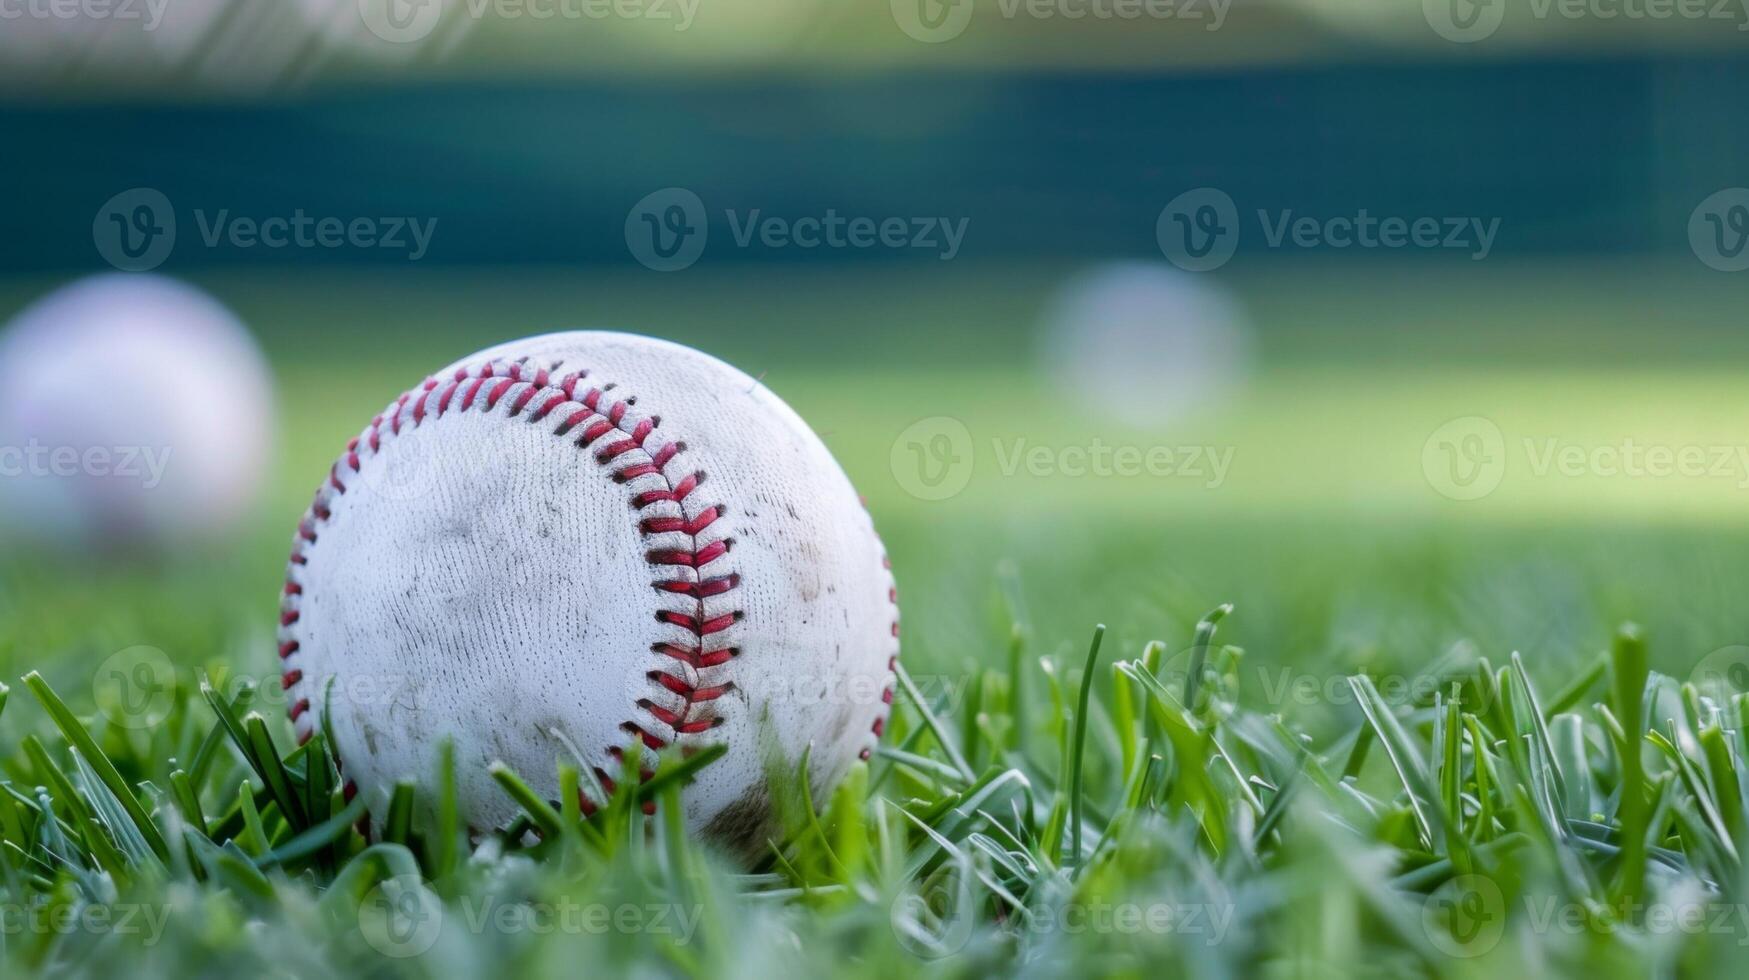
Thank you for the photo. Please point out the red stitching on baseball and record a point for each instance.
(880, 723)
(601, 422)
(696, 656)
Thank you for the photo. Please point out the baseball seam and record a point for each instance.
(879, 726)
(682, 563)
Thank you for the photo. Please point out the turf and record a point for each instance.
(1422, 744)
(1083, 812)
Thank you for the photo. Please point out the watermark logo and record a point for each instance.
(1465, 459)
(144, 465)
(404, 469)
(932, 21)
(1465, 917)
(667, 230)
(932, 459)
(936, 21)
(1464, 21)
(1207, 923)
(1724, 673)
(85, 921)
(1288, 686)
(400, 917)
(1365, 230)
(391, 233)
(1103, 460)
(939, 234)
(147, 13)
(412, 21)
(1199, 229)
(401, 21)
(1468, 21)
(1718, 230)
(934, 919)
(820, 690)
(135, 230)
(135, 687)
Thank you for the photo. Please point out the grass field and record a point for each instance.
(1262, 814)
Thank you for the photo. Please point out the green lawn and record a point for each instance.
(1328, 531)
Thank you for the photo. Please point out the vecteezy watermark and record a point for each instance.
(1199, 230)
(143, 924)
(1718, 229)
(147, 13)
(1101, 460)
(1467, 917)
(136, 687)
(144, 465)
(299, 230)
(1282, 686)
(136, 230)
(401, 918)
(412, 21)
(936, 21)
(402, 21)
(1468, 21)
(1208, 923)
(667, 231)
(1467, 457)
(934, 459)
(1464, 21)
(1723, 674)
(936, 920)
(809, 691)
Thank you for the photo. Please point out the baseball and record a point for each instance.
(562, 545)
(1146, 344)
(133, 409)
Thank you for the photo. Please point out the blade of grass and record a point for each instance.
(943, 736)
(1199, 652)
(81, 739)
(1628, 675)
(544, 816)
(1405, 759)
(1080, 750)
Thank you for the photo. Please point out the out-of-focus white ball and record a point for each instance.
(1145, 344)
(133, 409)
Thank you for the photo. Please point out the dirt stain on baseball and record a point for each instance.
(742, 827)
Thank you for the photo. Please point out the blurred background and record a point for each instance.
(1414, 329)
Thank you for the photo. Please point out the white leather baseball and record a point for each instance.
(575, 540)
(127, 373)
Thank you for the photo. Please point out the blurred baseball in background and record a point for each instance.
(1145, 344)
(134, 410)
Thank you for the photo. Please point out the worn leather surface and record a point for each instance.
(482, 578)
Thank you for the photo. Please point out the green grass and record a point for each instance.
(1262, 814)
(1082, 812)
